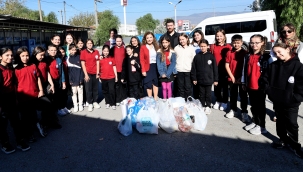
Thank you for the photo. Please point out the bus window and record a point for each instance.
(211, 29)
(232, 28)
(275, 25)
(253, 26)
(191, 35)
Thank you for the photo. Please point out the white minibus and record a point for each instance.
(245, 24)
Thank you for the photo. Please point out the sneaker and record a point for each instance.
(41, 131)
(107, 106)
(61, 112)
(274, 119)
(257, 130)
(216, 105)
(117, 104)
(223, 106)
(230, 114)
(67, 111)
(7, 148)
(279, 144)
(85, 104)
(90, 108)
(96, 105)
(81, 108)
(207, 111)
(249, 127)
(114, 107)
(76, 108)
(245, 118)
(23, 146)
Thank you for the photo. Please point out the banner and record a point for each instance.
(124, 2)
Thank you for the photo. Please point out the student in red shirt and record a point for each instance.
(108, 77)
(219, 50)
(118, 52)
(8, 110)
(29, 90)
(256, 62)
(90, 65)
(234, 67)
(49, 117)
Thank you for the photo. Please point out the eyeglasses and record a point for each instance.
(288, 31)
(253, 43)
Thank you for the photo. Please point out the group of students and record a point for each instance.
(183, 69)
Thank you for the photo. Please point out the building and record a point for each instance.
(131, 30)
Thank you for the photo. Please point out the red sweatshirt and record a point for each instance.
(106, 68)
(119, 55)
(220, 53)
(90, 59)
(253, 71)
(43, 69)
(236, 60)
(7, 79)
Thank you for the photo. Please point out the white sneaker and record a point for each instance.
(66, 110)
(81, 108)
(207, 111)
(107, 106)
(230, 114)
(114, 107)
(117, 104)
(85, 104)
(61, 112)
(90, 108)
(76, 108)
(245, 118)
(257, 130)
(249, 127)
(223, 106)
(216, 105)
(96, 105)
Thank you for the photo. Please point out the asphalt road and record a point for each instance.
(92, 142)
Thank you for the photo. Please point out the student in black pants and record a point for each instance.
(204, 72)
(283, 83)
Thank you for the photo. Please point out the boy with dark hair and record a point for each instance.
(234, 66)
(171, 33)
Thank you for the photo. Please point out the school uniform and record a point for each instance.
(119, 55)
(283, 83)
(196, 87)
(76, 79)
(235, 59)
(205, 71)
(58, 76)
(254, 65)
(132, 74)
(167, 68)
(148, 59)
(220, 55)
(184, 58)
(9, 112)
(107, 76)
(91, 86)
(136, 50)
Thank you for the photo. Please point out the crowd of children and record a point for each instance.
(43, 81)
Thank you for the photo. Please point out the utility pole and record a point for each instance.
(96, 13)
(61, 16)
(64, 12)
(39, 5)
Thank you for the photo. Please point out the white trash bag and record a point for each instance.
(167, 119)
(125, 126)
(177, 102)
(200, 118)
(147, 121)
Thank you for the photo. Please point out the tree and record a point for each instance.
(146, 23)
(160, 29)
(51, 17)
(107, 21)
(82, 19)
(287, 11)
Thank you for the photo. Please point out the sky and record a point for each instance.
(160, 9)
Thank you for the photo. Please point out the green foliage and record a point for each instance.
(160, 29)
(107, 21)
(83, 19)
(146, 23)
(51, 17)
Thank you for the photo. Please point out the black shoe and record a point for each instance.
(32, 139)
(41, 130)
(7, 148)
(278, 144)
(23, 146)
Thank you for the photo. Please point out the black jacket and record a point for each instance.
(204, 69)
(75, 71)
(127, 73)
(174, 39)
(283, 82)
